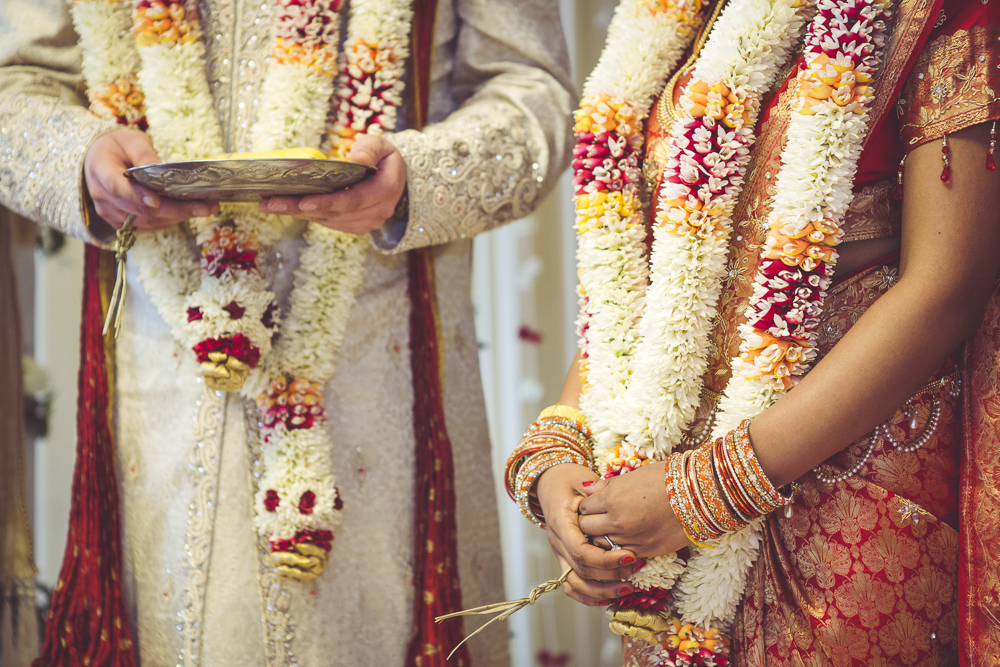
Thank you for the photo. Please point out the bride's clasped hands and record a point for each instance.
(587, 517)
(633, 510)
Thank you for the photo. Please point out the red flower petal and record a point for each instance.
(271, 500)
(307, 502)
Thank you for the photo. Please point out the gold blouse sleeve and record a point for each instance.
(953, 85)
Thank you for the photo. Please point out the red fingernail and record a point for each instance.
(628, 560)
(624, 591)
(639, 565)
(604, 603)
(589, 482)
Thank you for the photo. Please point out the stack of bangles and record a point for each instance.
(559, 435)
(720, 487)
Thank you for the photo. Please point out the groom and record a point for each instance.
(485, 136)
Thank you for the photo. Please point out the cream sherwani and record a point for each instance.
(198, 580)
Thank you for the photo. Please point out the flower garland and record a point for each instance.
(813, 192)
(223, 307)
(702, 179)
(645, 41)
(709, 149)
(297, 499)
(109, 65)
(370, 87)
(707, 156)
(299, 79)
(295, 455)
(708, 152)
(220, 306)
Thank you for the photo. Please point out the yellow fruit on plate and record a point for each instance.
(284, 153)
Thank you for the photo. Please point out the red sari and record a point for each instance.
(896, 565)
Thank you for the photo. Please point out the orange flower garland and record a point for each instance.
(164, 21)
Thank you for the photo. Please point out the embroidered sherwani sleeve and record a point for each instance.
(45, 127)
(491, 160)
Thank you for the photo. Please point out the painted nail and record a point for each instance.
(589, 482)
(624, 591)
(604, 603)
(278, 206)
(308, 206)
(641, 563)
(149, 201)
(628, 560)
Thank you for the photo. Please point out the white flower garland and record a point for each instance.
(296, 460)
(650, 388)
(370, 87)
(328, 276)
(224, 304)
(299, 80)
(813, 192)
(707, 159)
(645, 41)
(109, 64)
(652, 343)
(750, 42)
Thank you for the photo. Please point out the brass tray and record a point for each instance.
(248, 180)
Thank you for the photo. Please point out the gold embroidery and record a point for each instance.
(906, 635)
(911, 17)
(849, 515)
(892, 552)
(867, 598)
(942, 547)
(980, 617)
(843, 642)
(824, 559)
(930, 590)
(874, 213)
(952, 86)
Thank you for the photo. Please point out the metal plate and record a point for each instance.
(248, 180)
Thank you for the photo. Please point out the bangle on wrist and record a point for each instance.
(559, 435)
(720, 487)
(566, 412)
(528, 477)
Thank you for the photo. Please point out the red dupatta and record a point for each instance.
(437, 590)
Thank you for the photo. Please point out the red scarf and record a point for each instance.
(437, 590)
(87, 622)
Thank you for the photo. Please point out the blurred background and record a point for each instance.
(524, 290)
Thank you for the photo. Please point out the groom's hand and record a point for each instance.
(115, 197)
(362, 208)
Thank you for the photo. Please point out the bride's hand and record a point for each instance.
(634, 511)
(598, 575)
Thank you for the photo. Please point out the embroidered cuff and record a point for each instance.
(43, 142)
(478, 169)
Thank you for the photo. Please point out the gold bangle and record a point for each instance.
(696, 542)
(564, 411)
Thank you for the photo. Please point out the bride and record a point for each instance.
(775, 195)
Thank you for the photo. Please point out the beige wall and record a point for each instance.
(58, 281)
